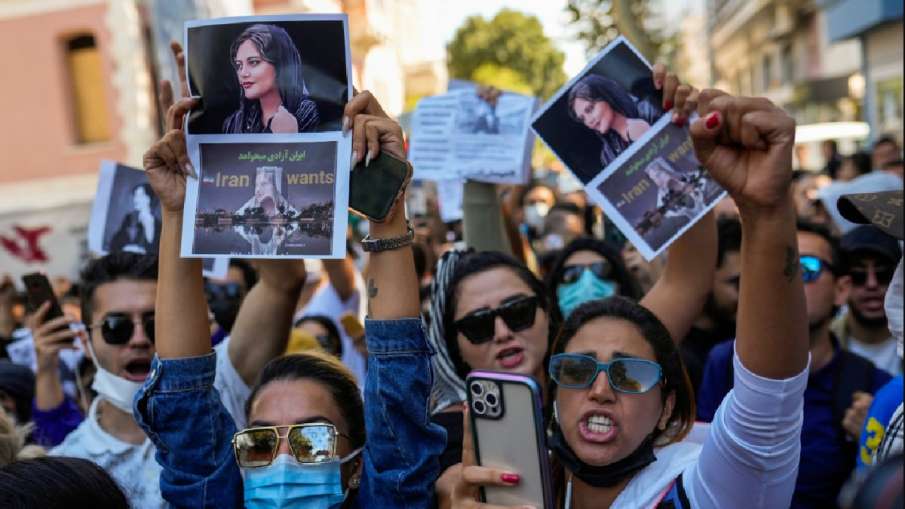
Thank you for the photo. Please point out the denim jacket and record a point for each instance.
(180, 410)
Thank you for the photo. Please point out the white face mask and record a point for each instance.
(893, 307)
(535, 214)
(115, 389)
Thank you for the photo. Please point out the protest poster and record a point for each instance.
(125, 217)
(267, 142)
(608, 127)
(264, 200)
(656, 189)
(463, 135)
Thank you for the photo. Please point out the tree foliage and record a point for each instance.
(598, 22)
(509, 51)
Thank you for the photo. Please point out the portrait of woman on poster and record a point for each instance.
(273, 97)
(617, 117)
(139, 231)
(678, 193)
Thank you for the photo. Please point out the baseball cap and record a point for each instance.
(881, 209)
(869, 238)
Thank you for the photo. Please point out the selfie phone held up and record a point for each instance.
(38, 291)
(507, 428)
(373, 190)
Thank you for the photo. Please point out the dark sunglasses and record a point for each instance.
(883, 276)
(572, 272)
(478, 327)
(309, 443)
(812, 267)
(117, 328)
(629, 374)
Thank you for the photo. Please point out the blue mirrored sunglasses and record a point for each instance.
(812, 267)
(629, 374)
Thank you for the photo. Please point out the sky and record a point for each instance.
(447, 16)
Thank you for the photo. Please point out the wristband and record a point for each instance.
(377, 245)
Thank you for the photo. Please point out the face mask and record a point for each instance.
(535, 214)
(117, 390)
(893, 307)
(287, 483)
(588, 287)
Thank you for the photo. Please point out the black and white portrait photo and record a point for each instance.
(126, 212)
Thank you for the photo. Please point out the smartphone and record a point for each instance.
(38, 291)
(373, 190)
(507, 427)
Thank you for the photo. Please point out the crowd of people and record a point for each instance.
(760, 358)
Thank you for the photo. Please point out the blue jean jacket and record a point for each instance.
(180, 410)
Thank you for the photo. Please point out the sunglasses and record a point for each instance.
(628, 375)
(883, 276)
(117, 328)
(309, 443)
(478, 327)
(812, 267)
(572, 272)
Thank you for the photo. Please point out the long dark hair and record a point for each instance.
(329, 372)
(628, 285)
(58, 482)
(277, 48)
(154, 204)
(675, 378)
(598, 88)
(473, 263)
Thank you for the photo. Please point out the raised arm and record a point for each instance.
(746, 145)
(679, 295)
(341, 274)
(265, 318)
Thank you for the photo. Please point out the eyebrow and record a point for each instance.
(616, 355)
(307, 420)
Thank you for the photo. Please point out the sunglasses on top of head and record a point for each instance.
(308, 443)
(571, 273)
(479, 326)
(812, 267)
(117, 328)
(630, 375)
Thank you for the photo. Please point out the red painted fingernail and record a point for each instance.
(679, 121)
(713, 120)
(667, 105)
(510, 478)
(658, 84)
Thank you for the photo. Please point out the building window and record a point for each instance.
(89, 105)
(788, 65)
(767, 72)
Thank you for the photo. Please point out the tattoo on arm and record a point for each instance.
(372, 289)
(790, 270)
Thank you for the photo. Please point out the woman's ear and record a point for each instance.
(668, 406)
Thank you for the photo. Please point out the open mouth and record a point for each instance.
(138, 369)
(247, 84)
(597, 428)
(511, 357)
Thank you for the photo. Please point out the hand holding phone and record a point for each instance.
(38, 291)
(373, 190)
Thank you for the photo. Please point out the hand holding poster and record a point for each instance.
(465, 134)
(272, 160)
(607, 125)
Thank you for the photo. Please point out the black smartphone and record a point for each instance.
(38, 291)
(373, 190)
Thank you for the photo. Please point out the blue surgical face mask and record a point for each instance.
(286, 483)
(587, 287)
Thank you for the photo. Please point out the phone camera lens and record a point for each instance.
(479, 407)
(477, 389)
(491, 400)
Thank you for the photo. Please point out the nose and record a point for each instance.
(284, 445)
(872, 281)
(501, 332)
(139, 339)
(601, 391)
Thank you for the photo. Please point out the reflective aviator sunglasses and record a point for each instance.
(518, 314)
(308, 443)
(812, 267)
(629, 374)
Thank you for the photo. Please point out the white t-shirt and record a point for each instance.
(883, 354)
(326, 301)
(133, 466)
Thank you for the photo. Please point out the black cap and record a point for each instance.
(883, 209)
(869, 238)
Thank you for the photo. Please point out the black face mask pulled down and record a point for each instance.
(605, 476)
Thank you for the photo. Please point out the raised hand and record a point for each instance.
(746, 145)
(679, 98)
(166, 162)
